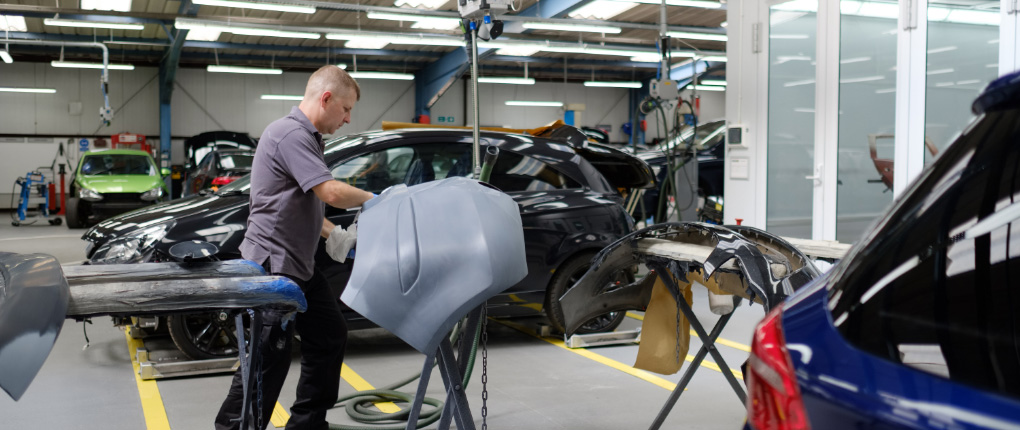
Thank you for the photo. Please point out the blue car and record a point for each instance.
(919, 326)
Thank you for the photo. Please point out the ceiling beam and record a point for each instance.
(544, 9)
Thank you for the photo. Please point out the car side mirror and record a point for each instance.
(164, 171)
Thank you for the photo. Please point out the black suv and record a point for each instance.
(568, 189)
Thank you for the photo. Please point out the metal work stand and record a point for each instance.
(707, 345)
(248, 368)
(452, 369)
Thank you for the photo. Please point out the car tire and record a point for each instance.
(203, 336)
(565, 277)
(73, 214)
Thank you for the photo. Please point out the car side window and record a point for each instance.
(518, 172)
(938, 286)
(410, 165)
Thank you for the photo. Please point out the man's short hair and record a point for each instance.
(332, 79)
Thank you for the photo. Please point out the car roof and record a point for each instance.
(1002, 93)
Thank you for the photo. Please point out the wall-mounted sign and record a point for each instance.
(445, 119)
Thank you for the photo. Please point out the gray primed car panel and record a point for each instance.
(429, 253)
(33, 302)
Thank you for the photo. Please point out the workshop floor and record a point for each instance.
(533, 382)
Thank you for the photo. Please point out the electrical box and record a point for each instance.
(735, 136)
(666, 89)
(472, 9)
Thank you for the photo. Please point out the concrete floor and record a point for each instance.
(533, 383)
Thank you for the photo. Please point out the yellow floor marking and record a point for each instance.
(360, 384)
(152, 402)
(721, 341)
(596, 357)
(523, 303)
(280, 416)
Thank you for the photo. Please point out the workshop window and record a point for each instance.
(938, 288)
(516, 172)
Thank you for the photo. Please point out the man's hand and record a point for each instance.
(341, 241)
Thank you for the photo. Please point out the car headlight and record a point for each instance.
(134, 247)
(87, 194)
(153, 194)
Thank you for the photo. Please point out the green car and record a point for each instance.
(111, 182)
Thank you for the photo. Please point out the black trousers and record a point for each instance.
(323, 333)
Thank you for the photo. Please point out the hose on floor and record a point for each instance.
(358, 405)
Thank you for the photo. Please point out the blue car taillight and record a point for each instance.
(774, 401)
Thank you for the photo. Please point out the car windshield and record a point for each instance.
(117, 164)
(237, 161)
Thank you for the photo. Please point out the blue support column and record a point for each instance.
(433, 81)
(167, 74)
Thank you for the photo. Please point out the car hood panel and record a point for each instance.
(180, 210)
(120, 184)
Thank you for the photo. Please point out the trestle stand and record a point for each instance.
(707, 345)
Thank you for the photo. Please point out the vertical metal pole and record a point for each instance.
(474, 99)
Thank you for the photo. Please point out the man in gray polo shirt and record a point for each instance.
(289, 184)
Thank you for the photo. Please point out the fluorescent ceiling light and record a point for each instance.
(259, 5)
(342, 65)
(191, 24)
(713, 82)
(115, 5)
(28, 90)
(92, 24)
(724, 24)
(611, 84)
(940, 71)
(531, 103)
(968, 82)
(647, 58)
(377, 41)
(79, 65)
(382, 75)
(718, 58)
(706, 88)
(238, 69)
(281, 97)
(366, 44)
(697, 36)
(704, 4)
(945, 84)
(601, 9)
(571, 27)
(506, 80)
(517, 51)
(410, 17)
(204, 34)
(248, 31)
(12, 23)
(6, 56)
(885, 91)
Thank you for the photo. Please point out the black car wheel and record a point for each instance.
(73, 213)
(565, 277)
(204, 335)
